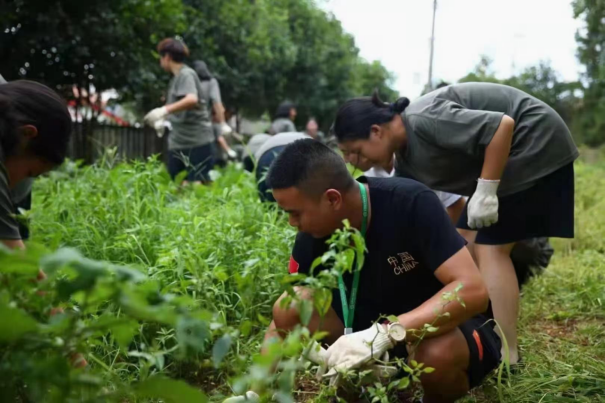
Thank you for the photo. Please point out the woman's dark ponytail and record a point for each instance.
(400, 105)
(356, 116)
(29, 103)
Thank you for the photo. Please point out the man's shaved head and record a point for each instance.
(311, 167)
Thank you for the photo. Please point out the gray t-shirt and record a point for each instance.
(190, 128)
(282, 125)
(279, 140)
(449, 129)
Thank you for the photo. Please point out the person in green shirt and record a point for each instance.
(509, 152)
(191, 140)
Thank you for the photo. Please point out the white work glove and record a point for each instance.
(160, 127)
(483, 205)
(356, 349)
(232, 154)
(156, 114)
(225, 129)
(249, 397)
(319, 355)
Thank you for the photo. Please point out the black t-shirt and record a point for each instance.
(409, 237)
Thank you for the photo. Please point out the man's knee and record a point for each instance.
(449, 355)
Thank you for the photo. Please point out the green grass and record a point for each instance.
(562, 321)
(228, 252)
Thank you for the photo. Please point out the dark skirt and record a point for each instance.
(544, 210)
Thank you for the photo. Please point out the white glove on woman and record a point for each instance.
(356, 349)
(483, 205)
(249, 397)
(156, 114)
(225, 129)
(160, 127)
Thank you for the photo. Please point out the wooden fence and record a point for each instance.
(90, 139)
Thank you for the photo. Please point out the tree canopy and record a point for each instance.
(261, 51)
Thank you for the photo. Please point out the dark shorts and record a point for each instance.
(544, 210)
(197, 161)
(484, 346)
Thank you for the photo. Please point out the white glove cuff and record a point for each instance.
(316, 353)
(488, 186)
(381, 343)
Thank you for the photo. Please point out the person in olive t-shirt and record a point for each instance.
(191, 140)
(284, 118)
(212, 92)
(414, 255)
(510, 152)
(35, 127)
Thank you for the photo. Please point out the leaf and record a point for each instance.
(322, 299)
(192, 332)
(220, 349)
(404, 383)
(262, 319)
(245, 328)
(432, 329)
(125, 332)
(429, 370)
(413, 363)
(221, 276)
(15, 323)
(169, 390)
(60, 258)
(305, 310)
(393, 318)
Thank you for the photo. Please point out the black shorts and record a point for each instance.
(544, 210)
(197, 161)
(484, 346)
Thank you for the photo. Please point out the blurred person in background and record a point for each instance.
(511, 153)
(312, 129)
(191, 140)
(266, 154)
(220, 127)
(284, 119)
(251, 148)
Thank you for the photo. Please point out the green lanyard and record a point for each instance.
(348, 310)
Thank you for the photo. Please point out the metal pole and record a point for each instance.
(429, 85)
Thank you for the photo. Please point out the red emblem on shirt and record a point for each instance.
(293, 266)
